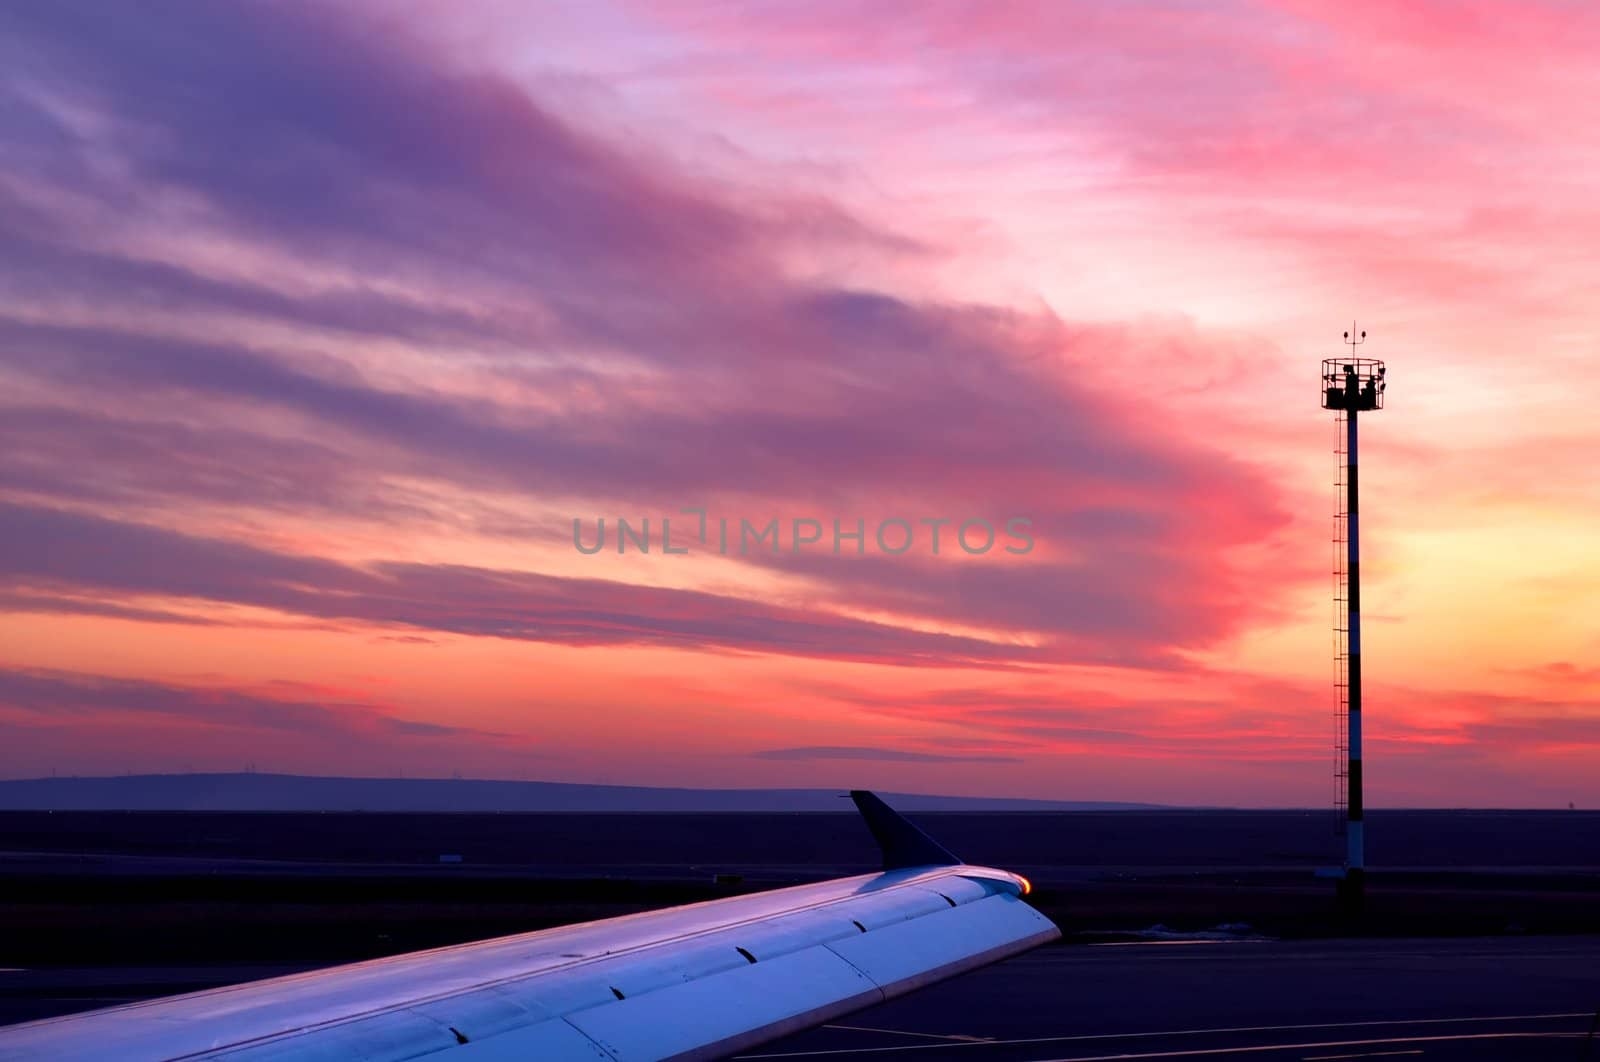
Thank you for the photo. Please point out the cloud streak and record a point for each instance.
(847, 752)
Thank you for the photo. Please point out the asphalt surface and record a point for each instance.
(1515, 998)
(1438, 999)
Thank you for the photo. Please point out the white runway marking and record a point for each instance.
(1188, 1032)
(907, 1032)
(1169, 943)
(1259, 1048)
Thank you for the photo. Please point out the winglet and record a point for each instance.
(903, 844)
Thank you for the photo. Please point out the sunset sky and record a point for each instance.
(320, 325)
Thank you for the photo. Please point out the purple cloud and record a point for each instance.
(851, 752)
(609, 330)
(57, 695)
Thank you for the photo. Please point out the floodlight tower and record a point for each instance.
(1350, 385)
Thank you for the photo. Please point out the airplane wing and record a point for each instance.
(694, 982)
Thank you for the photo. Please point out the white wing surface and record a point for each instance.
(694, 982)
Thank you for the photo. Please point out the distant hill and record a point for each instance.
(290, 792)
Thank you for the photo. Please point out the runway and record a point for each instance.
(1433, 1000)
(1321, 1001)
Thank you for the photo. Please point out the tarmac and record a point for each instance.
(1517, 998)
(1431, 999)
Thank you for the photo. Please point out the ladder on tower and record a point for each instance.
(1341, 636)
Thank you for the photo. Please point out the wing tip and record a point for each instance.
(903, 844)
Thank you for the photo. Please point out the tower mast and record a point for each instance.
(1351, 385)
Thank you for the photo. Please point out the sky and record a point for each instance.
(330, 333)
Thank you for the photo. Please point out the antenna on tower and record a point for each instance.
(1354, 339)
